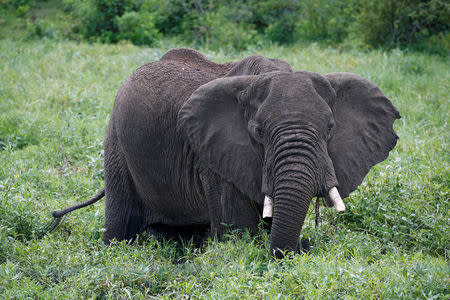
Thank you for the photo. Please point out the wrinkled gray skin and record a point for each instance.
(193, 145)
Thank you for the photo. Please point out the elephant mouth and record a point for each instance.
(333, 198)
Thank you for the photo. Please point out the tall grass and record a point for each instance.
(55, 102)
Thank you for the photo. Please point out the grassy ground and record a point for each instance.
(55, 101)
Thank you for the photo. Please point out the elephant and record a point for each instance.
(193, 146)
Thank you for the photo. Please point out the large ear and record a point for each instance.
(214, 124)
(363, 135)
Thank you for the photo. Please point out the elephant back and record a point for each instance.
(194, 59)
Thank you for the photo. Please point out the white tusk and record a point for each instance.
(268, 207)
(336, 199)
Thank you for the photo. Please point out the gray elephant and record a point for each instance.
(193, 145)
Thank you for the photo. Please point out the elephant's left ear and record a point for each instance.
(363, 135)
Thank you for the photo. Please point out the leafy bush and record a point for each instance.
(393, 23)
(169, 16)
(22, 10)
(216, 32)
(15, 4)
(17, 7)
(438, 43)
(101, 22)
(326, 20)
(40, 29)
(238, 23)
(223, 27)
(138, 28)
(276, 19)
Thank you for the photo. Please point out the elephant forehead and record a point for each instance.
(295, 98)
(298, 87)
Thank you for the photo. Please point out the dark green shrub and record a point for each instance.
(326, 20)
(101, 19)
(168, 15)
(438, 43)
(139, 28)
(394, 23)
(276, 19)
(217, 29)
(41, 29)
(113, 20)
(215, 24)
(238, 23)
(22, 10)
(223, 24)
(15, 4)
(17, 7)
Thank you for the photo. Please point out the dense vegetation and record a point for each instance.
(55, 100)
(417, 24)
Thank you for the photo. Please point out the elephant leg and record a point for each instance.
(124, 216)
(228, 207)
(212, 189)
(239, 212)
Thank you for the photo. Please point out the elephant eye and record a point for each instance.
(256, 131)
(330, 126)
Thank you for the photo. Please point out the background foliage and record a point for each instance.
(417, 24)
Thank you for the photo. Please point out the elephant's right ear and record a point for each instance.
(213, 122)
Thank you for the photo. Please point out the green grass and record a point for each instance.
(55, 102)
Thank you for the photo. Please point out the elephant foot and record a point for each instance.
(303, 246)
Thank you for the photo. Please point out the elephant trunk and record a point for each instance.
(292, 199)
(296, 182)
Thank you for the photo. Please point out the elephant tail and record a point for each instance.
(58, 214)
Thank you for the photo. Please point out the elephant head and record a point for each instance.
(290, 136)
